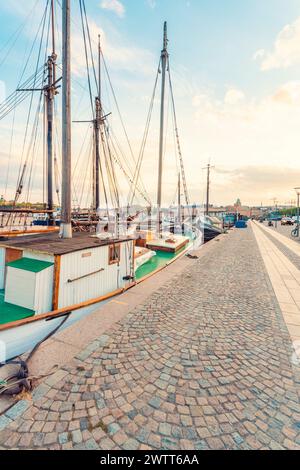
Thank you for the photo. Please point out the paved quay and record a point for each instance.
(204, 362)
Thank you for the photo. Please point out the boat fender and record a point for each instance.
(14, 378)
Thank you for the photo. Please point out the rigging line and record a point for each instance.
(146, 132)
(33, 44)
(76, 181)
(10, 99)
(45, 159)
(21, 181)
(81, 148)
(79, 108)
(56, 177)
(33, 143)
(127, 172)
(102, 174)
(10, 153)
(125, 159)
(129, 178)
(175, 146)
(79, 27)
(85, 175)
(86, 59)
(178, 140)
(118, 108)
(33, 168)
(108, 174)
(166, 127)
(82, 168)
(78, 172)
(12, 106)
(117, 148)
(145, 136)
(114, 179)
(57, 150)
(15, 98)
(74, 79)
(32, 93)
(17, 33)
(36, 128)
(91, 50)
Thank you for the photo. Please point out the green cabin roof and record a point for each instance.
(28, 264)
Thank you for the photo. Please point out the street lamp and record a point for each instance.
(298, 206)
(275, 204)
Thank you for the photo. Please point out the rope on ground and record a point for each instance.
(19, 379)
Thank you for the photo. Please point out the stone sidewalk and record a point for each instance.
(203, 363)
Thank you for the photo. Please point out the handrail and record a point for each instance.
(85, 275)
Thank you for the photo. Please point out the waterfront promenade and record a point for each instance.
(205, 360)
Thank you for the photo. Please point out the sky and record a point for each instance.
(236, 78)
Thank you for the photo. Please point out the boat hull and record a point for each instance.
(21, 339)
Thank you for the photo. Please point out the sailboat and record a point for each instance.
(49, 281)
(46, 277)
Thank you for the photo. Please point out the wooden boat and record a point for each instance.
(43, 278)
(46, 280)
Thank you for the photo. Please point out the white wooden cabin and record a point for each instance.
(43, 273)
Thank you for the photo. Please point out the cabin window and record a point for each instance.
(114, 253)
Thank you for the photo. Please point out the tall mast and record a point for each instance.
(164, 60)
(97, 124)
(50, 94)
(207, 189)
(208, 168)
(179, 198)
(66, 228)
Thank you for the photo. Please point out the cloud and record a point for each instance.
(286, 50)
(151, 3)
(120, 54)
(234, 96)
(114, 5)
(251, 140)
(258, 184)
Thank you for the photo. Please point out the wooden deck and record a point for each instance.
(171, 245)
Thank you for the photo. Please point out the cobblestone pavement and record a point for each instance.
(204, 363)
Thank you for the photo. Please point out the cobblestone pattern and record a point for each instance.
(203, 364)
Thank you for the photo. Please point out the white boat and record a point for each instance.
(142, 256)
(43, 278)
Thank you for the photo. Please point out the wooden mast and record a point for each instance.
(179, 198)
(66, 227)
(164, 60)
(97, 124)
(50, 94)
(208, 168)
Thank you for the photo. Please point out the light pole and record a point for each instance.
(275, 204)
(298, 208)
